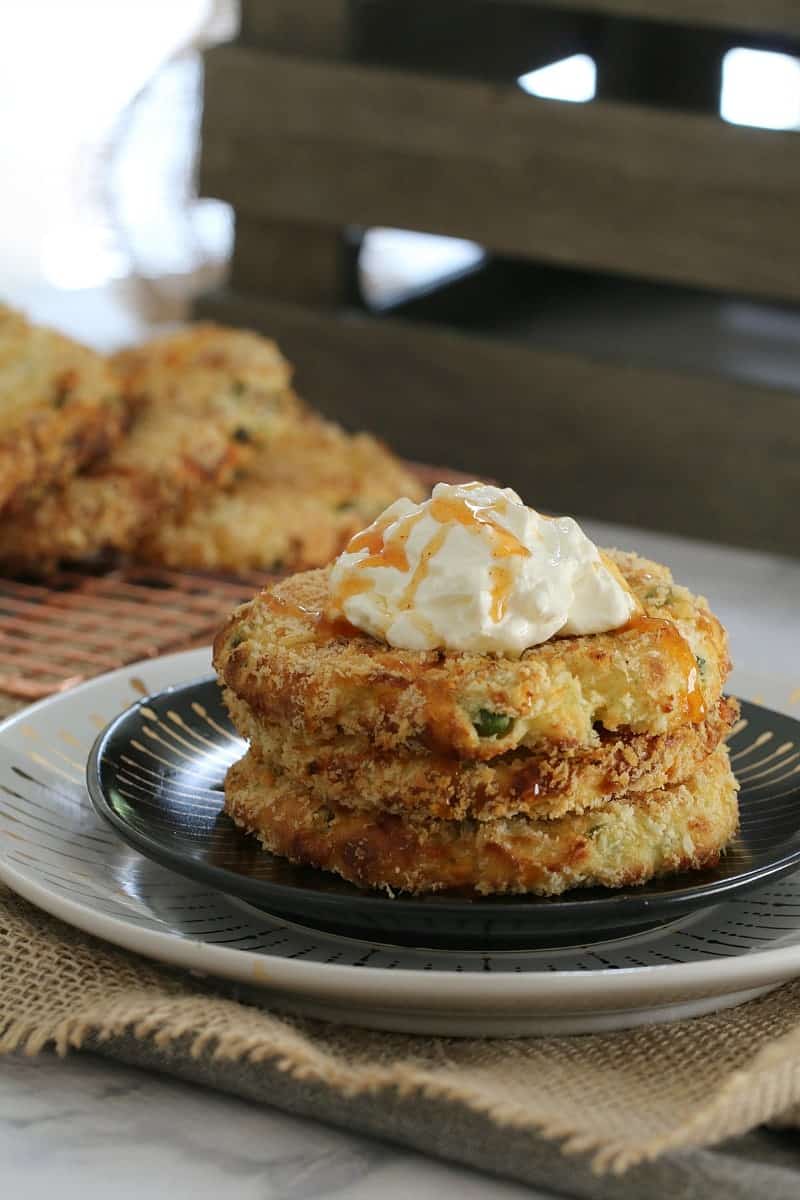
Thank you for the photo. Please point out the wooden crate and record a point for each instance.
(331, 116)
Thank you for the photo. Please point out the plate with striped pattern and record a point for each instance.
(157, 775)
(58, 853)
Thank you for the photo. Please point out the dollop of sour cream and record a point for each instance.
(475, 569)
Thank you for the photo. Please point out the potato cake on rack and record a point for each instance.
(60, 407)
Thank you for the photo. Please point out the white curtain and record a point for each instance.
(100, 105)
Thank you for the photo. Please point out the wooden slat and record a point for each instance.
(493, 42)
(679, 197)
(757, 16)
(314, 27)
(696, 455)
(289, 260)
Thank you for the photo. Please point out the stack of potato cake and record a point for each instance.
(592, 760)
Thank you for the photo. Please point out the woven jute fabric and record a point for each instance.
(8, 705)
(625, 1098)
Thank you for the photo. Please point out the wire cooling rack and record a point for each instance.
(79, 623)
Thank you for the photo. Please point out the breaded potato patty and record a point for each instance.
(206, 401)
(300, 502)
(627, 841)
(327, 680)
(537, 783)
(60, 407)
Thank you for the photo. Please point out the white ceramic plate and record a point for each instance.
(61, 857)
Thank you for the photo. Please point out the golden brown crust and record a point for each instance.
(188, 365)
(60, 407)
(625, 842)
(292, 669)
(206, 401)
(301, 501)
(545, 783)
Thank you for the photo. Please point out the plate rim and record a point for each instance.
(433, 988)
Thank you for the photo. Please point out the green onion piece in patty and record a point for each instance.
(492, 724)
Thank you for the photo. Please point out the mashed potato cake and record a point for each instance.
(547, 782)
(206, 401)
(60, 407)
(626, 841)
(326, 681)
(503, 757)
(300, 501)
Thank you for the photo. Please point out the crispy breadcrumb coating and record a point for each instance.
(547, 782)
(326, 682)
(60, 407)
(625, 842)
(301, 500)
(206, 400)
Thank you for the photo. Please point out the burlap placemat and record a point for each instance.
(622, 1099)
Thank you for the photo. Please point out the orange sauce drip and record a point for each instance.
(391, 554)
(325, 627)
(287, 607)
(643, 624)
(502, 583)
(336, 627)
(421, 570)
(352, 587)
(476, 516)
(695, 704)
(370, 539)
(674, 644)
(383, 552)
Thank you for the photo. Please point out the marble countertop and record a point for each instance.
(85, 1127)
